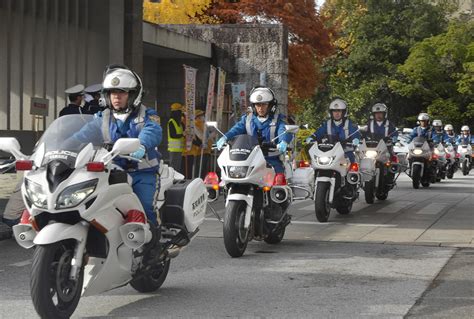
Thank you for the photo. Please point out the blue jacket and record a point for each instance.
(420, 131)
(338, 131)
(381, 131)
(142, 124)
(465, 139)
(255, 125)
(450, 139)
(439, 137)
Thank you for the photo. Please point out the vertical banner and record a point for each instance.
(210, 97)
(239, 100)
(220, 96)
(190, 99)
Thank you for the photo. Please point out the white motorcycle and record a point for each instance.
(452, 160)
(377, 169)
(422, 169)
(337, 180)
(439, 159)
(89, 228)
(257, 199)
(465, 159)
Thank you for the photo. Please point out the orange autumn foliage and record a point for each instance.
(309, 37)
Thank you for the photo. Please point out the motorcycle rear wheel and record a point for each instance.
(321, 204)
(465, 168)
(275, 238)
(153, 281)
(54, 295)
(235, 236)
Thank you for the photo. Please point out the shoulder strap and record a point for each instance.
(387, 125)
(346, 128)
(248, 123)
(371, 127)
(105, 126)
(329, 127)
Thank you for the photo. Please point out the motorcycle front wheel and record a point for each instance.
(236, 236)
(369, 191)
(321, 203)
(416, 176)
(53, 293)
(465, 168)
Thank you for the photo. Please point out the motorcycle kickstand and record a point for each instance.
(215, 213)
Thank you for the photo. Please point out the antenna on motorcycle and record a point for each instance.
(214, 125)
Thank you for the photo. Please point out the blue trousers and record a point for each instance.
(276, 163)
(144, 186)
(350, 156)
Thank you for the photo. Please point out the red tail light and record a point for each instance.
(354, 167)
(24, 165)
(394, 159)
(434, 156)
(135, 216)
(448, 155)
(279, 180)
(304, 164)
(212, 179)
(95, 167)
(458, 155)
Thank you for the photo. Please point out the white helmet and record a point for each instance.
(465, 128)
(423, 117)
(338, 104)
(262, 94)
(379, 107)
(119, 77)
(448, 127)
(437, 123)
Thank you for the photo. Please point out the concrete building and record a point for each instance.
(47, 46)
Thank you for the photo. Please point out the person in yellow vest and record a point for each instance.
(175, 137)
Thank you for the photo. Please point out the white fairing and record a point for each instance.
(338, 162)
(369, 156)
(258, 173)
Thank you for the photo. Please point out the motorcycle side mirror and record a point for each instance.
(363, 128)
(11, 145)
(292, 129)
(213, 124)
(407, 130)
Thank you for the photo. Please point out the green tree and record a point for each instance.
(439, 73)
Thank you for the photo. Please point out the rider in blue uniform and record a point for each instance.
(465, 137)
(438, 134)
(263, 122)
(338, 127)
(424, 129)
(450, 137)
(126, 116)
(379, 127)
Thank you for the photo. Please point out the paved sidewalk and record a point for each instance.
(7, 185)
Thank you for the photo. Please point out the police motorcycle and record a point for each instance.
(422, 165)
(440, 158)
(452, 160)
(337, 180)
(257, 199)
(400, 148)
(465, 157)
(88, 227)
(377, 168)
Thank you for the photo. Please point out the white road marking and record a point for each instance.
(432, 209)
(304, 222)
(309, 207)
(21, 263)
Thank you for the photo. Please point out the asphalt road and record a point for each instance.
(411, 255)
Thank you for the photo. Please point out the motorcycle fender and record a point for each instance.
(56, 232)
(417, 163)
(325, 179)
(248, 211)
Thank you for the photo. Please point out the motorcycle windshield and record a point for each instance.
(418, 141)
(67, 136)
(241, 147)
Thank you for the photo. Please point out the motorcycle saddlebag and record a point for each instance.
(185, 204)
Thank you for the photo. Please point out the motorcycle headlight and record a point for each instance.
(417, 151)
(36, 194)
(238, 171)
(436, 151)
(75, 194)
(463, 150)
(371, 154)
(324, 160)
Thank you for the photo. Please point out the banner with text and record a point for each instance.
(220, 96)
(210, 97)
(239, 100)
(190, 99)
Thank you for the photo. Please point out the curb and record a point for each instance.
(5, 231)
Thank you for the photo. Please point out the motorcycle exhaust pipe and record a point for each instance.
(135, 235)
(279, 194)
(353, 178)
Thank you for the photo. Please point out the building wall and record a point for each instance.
(244, 51)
